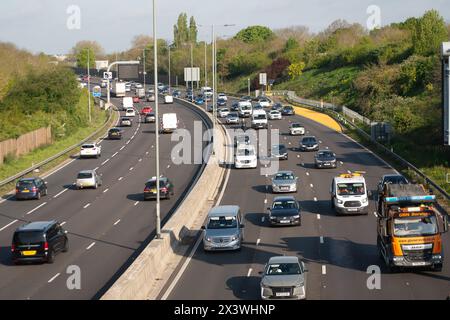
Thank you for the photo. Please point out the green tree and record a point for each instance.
(429, 31)
(83, 56)
(80, 52)
(180, 30)
(193, 30)
(291, 44)
(254, 34)
(295, 70)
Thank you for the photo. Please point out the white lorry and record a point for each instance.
(169, 122)
(259, 119)
(127, 103)
(118, 89)
(140, 92)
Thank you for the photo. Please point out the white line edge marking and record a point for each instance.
(90, 246)
(258, 241)
(136, 203)
(9, 224)
(106, 190)
(249, 272)
(324, 269)
(307, 173)
(54, 277)
(117, 222)
(115, 154)
(104, 162)
(60, 193)
(321, 239)
(63, 223)
(122, 148)
(315, 199)
(120, 178)
(38, 207)
(311, 185)
(86, 206)
(318, 216)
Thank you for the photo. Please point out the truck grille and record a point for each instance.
(221, 240)
(352, 204)
(276, 290)
(418, 255)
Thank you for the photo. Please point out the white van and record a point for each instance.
(168, 99)
(207, 91)
(169, 122)
(245, 109)
(259, 119)
(127, 103)
(349, 194)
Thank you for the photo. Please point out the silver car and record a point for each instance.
(284, 181)
(88, 179)
(284, 277)
(224, 229)
(232, 117)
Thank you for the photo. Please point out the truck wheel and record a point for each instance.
(437, 267)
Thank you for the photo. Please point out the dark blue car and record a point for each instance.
(199, 101)
(30, 188)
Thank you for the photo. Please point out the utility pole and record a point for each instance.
(169, 70)
(89, 86)
(206, 69)
(248, 86)
(192, 73)
(144, 70)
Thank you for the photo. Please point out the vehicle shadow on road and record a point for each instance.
(255, 218)
(262, 189)
(246, 288)
(321, 207)
(135, 197)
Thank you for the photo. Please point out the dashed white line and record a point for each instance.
(315, 199)
(131, 169)
(86, 206)
(122, 148)
(90, 246)
(128, 142)
(115, 154)
(375, 214)
(63, 223)
(106, 190)
(33, 210)
(249, 272)
(147, 152)
(265, 201)
(60, 193)
(54, 277)
(324, 269)
(105, 161)
(298, 156)
(168, 166)
(9, 224)
(318, 216)
(96, 168)
(136, 203)
(307, 173)
(320, 141)
(321, 239)
(258, 241)
(341, 162)
(117, 222)
(120, 178)
(311, 185)
(140, 160)
(263, 219)
(348, 171)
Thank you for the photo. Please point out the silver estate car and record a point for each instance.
(284, 277)
(88, 179)
(284, 181)
(223, 230)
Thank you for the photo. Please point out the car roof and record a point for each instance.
(86, 171)
(36, 226)
(283, 259)
(352, 179)
(153, 179)
(227, 210)
(392, 175)
(284, 198)
(285, 172)
(308, 137)
(28, 179)
(324, 150)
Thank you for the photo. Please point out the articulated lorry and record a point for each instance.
(409, 228)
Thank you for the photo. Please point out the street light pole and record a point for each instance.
(248, 86)
(155, 56)
(169, 70)
(89, 86)
(192, 73)
(206, 70)
(144, 70)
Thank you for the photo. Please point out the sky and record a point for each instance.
(54, 26)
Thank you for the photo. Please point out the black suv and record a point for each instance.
(115, 133)
(165, 188)
(285, 211)
(287, 111)
(38, 241)
(325, 159)
(31, 188)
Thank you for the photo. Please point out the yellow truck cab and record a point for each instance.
(408, 231)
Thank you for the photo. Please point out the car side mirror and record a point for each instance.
(203, 228)
(260, 272)
(242, 226)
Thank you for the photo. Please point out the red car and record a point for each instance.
(136, 100)
(146, 110)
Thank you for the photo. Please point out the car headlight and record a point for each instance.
(364, 200)
(340, 201)
(208, 239)
(296, 216)
(234, 238)
(437, 257)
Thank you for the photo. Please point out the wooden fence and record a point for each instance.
(25, 143)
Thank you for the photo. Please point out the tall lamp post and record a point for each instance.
(89, 84)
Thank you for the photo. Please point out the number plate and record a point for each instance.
(352, 210)
(29, 253)
(283, 294)
(416, 264)
(284, 221)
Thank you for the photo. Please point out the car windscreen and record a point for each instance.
(25, 184)
(283, 269)
(87, 146)
(415, 227)
(28, 237)
(325, 154)
(284, 204)
(309, 140)
(395, 180)
(245, 152)
(259, 117)
(278, 148)
(288, 108)
(150, 114)
(284, 176)
(152, 184)
(114, 130)
(351, 189)
(125, 119)
(84, 175)
(222, 223)
(245, 107)
(232, 115)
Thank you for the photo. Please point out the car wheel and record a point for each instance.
(38, 196)
(51, 256)
(96, 185)
(66, 246)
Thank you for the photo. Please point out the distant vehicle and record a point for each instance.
(118, 89)
(287, 111)
(210, 108)
(245, 109)
(176, 94)
(277, 106)
(232, 118)
(221, 102)
(279, 151)
(127, 103)
(91, 150)
(235, 106)
(138, 86)
(199, 100)
(151, 97)
(274, 115)
(88, 179)
(284, 181)
(161, 86)
(30, 188)
(169, 122)
(246, 98)
(150, 117)
(284, 211)
(104, 83)
(257, 106)
(284, 277)
(224, 229)
(349, 194)
(38, 241)
(264, 102)
(390, 179)
(140, 92)
(130, 112)
(259, 119)
(222, 96)
(127, 87)
(243, 139)
(136, 99)
(296, 129)
(325, 159)
(126, 122)
(309, 143)
(168, 99)
(189, 95)
(115, 134)
(206, 91)
(223, 112)
(245, 157)
(146, 110)
(165, 188)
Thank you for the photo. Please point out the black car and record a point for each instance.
(246, 98)
(284, 211)
(176, 94)
(150, 117)
(38, 241)
(221, 102)
(391, 179)
(287, 111)
(31, 188)
(279, 151)
(165, 188)
(114, 134)
(277, 106)
(325, 159)
(235, 106)
(309, 144)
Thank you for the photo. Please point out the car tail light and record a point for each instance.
(13, 248)
(46, 246)
(34, 189)
(146, 189)
(164, 189)
(17, 191)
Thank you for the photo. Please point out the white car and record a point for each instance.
(90, 150)
(222, 96)
(127, 87)
(138, 86)
(223, 112)
(296, 129)
(88, 179)
(274, 115)
(168, 99)
(264, 102)
(245, 157)
(130, 112)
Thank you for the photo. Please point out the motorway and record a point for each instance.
(105, 226)
(337, 250)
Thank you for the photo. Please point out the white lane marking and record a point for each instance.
(54, 277)
(63, 223)
(131, 169)
(324, 269)
(341, 162)
(136, 203)
(303, 164)
(375, 214)
(128, 142)
(348, 171)
(307, 173)
(105, 161)
(318, 216)
(320, 141)
(122, 148)
(311, 185)
(153, 147)
(140, 160)
(106, 190)
(117, 222)
(321, 239)
(315, 199)
(298, 156)
(147, 152)
(265, 201)
(86, 206)
(9, 224)
(90, 246)
(96, 168)
(132, 137)
(168, 166)
(249, 272)
(33, 210)
(60, 193)
(327, 148)
(115, 154)
(120, 178)
(258, 241)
